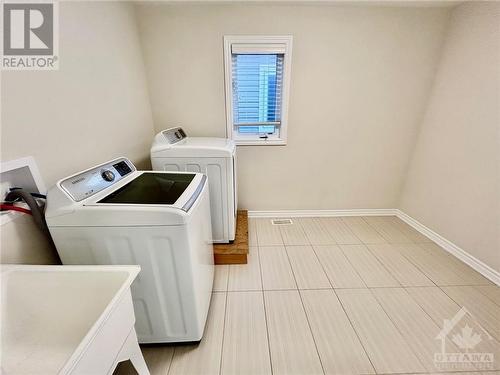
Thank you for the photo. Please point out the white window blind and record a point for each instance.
(259, 48)
(257, 88)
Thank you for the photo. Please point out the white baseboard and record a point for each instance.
(453, 249)
(324, 213)
(447, 245)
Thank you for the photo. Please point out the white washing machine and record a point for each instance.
(172, 150)
(114, 214)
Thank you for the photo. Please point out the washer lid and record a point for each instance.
(151, 188)
(199, 147)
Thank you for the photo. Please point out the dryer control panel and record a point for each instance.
(87, 183)
(174, 135)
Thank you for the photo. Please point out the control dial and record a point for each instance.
(107, 175)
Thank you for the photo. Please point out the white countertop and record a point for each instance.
(50, 313)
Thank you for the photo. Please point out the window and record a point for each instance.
(257, 74)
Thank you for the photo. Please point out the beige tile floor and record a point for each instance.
(351, 295)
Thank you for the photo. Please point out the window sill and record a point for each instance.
(260, 142)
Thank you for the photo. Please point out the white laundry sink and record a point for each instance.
(67, 319)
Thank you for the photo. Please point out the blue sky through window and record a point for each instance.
(256, 91)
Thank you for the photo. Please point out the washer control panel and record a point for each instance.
(174, 135)
(85, 184)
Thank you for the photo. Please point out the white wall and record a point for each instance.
(453, 183)
(94, 108)
(360, 80)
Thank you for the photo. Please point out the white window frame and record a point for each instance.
(257, 42)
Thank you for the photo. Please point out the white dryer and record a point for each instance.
(173, 150)
(114, 214)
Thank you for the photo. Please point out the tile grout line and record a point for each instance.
(300, 297)
(352, 231)
(349, 229)
(349, 244)
(322, 267)
(289, 263)
(311, 332)
(380, 233)
(305, 232)
(380, 260)
(333, 288)
(331, 235)
(394, 224)
(171, 361)
(228, 276)
(399, 331)
(371, 292)
(452, 372)
(429, 315)
(265, 312)
(304, 310)
(435, 283)
(497, 338)
(320, 226)
(343, 254)
(256, 233)
(352, 266)
(223, 333)
(477, 287)
(372, 227)
(344, 288)
(420, 245)
(419, 268)
(355, 332)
